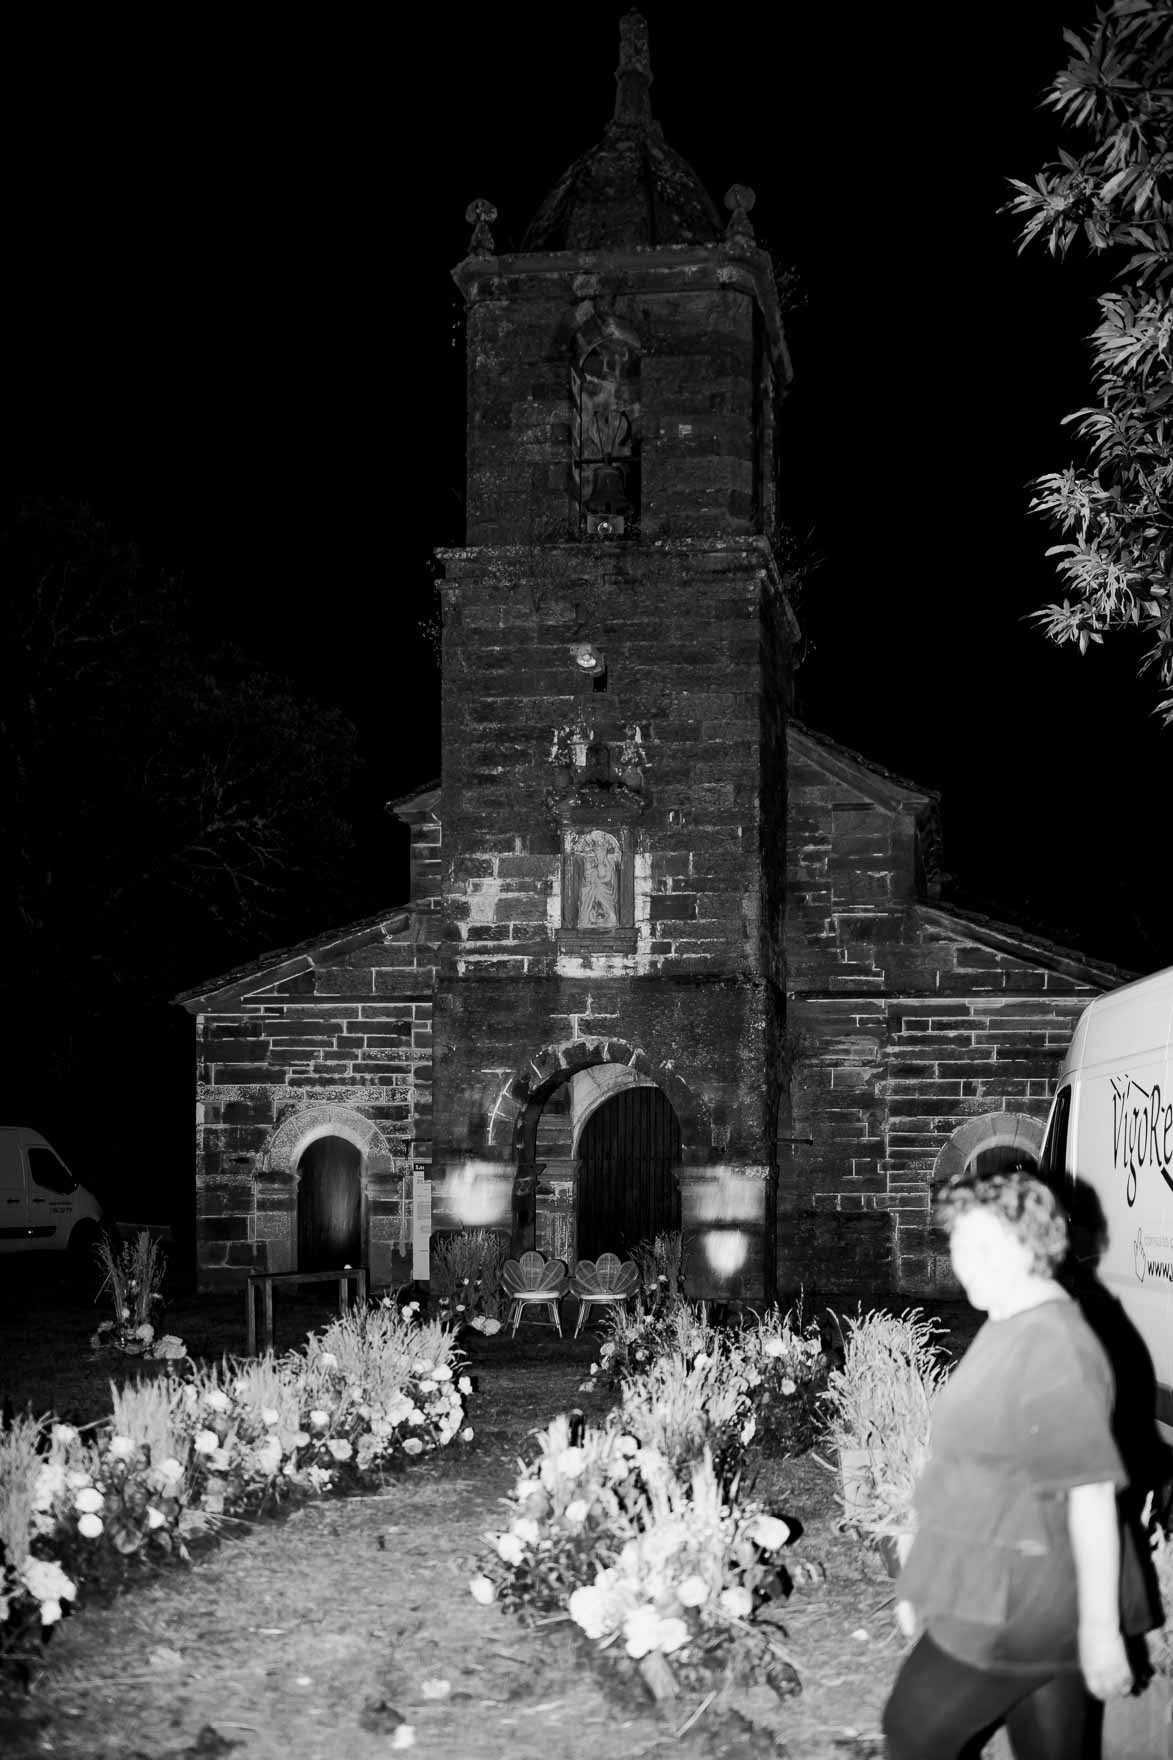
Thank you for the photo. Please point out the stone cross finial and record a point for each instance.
(480, 215)
(633, 76)
(739, 199)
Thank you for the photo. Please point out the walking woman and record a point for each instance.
(1013, 1578)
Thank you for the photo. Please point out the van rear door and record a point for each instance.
(1121, 1143)
(14, 1214)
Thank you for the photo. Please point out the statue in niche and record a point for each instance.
(598, 858)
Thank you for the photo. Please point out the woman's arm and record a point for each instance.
(1093, 1525)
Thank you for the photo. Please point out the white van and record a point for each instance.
(42, 1207)
(1111, 1125)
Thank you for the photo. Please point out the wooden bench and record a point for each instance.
(261, 1283)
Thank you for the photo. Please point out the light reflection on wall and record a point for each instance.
(479, 1194)
(722, 1213)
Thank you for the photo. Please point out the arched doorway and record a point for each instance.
(329, 1205)
(628, 1192)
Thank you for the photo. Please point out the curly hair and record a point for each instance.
(1029, 1209)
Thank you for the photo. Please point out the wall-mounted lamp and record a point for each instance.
(588, 659)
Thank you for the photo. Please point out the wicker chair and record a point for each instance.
(602, 1283)
(534, 1282)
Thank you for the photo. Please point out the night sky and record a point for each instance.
(237, 336)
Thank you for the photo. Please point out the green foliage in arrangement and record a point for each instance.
(134, 1278)
(879, 1406)
(468, 1266)
(1114, 515)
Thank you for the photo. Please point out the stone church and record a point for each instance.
(668, 959)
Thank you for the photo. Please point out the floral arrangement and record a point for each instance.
(661, 1269)
(371, 1390)
(880, 1405)
(606, 1528)
(788, 1368)
(776, 1364)
(469, 1266)
(134, 1277)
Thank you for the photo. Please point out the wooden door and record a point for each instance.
(329, 1206)
(627, 1188)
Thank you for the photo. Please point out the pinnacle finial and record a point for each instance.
(633, 76)
(739, 199)
(480, 215)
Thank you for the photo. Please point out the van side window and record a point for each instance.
(1054, 1162)
(48, 1173)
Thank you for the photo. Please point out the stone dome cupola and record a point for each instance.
(631, 188)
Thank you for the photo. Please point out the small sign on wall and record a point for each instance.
(421, 1225)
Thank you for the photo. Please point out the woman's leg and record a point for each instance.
(939, 1704)
(1051, 1723)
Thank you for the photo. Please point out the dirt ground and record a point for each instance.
(323, 1633)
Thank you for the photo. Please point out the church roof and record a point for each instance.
(402, 923)
(631, 188)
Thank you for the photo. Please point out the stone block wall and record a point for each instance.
(341, 1044)
(704, 324)
(911, 1028)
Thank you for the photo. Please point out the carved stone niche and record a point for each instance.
(598, 889)
(595, 814)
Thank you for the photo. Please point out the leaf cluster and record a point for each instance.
(1114, 515)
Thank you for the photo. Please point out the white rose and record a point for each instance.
(769, 1532)
(571, 1462)
(170, 1468)
(641, 1631)
(50, 1483)
(467, 1434)
(122, 1448)
(789, 1387)
(62, 1435)
(673, 1633)
(464, 1384)
(526, 1529)
(269, 1454)
(736, 1603)
(576, 1512)
(773, 1347)
(340, 1448)
(413, 1445)
(510, 1549)
(89, 1500)
(692, 1591)
(206, 1442)
(319, 1419)
(46, 1581)
(90, 1525)
(217, 1400)
(145, 1332)
(588, 1608)
(270, 1416)
(481, 1589)
(155, 1517)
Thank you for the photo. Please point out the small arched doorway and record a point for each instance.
(329, 1205)
(628, 1192)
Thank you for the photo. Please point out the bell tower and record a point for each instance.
(616, 654)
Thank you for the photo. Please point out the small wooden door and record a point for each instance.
(329, 1206)
(627, 1187)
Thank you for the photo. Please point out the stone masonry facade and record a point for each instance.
(918, 1035)
(636, 871)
